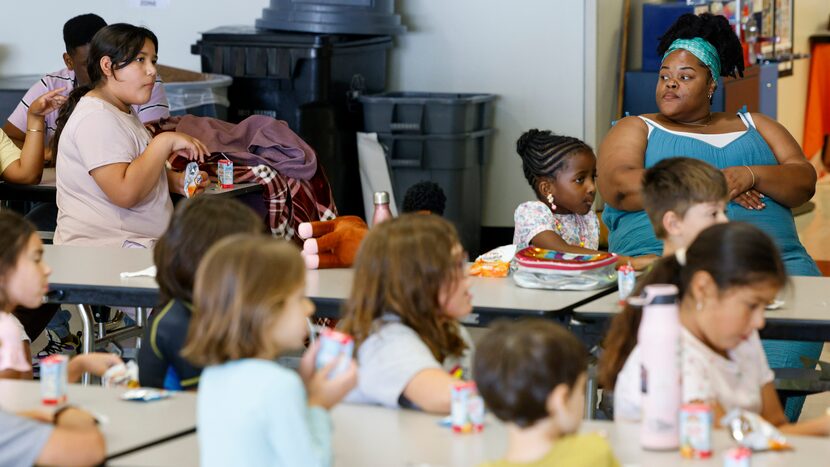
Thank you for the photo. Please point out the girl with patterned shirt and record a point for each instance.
(561, 170)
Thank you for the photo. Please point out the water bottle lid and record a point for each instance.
(381, 197)
(660, 294)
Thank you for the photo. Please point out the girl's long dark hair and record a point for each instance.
(734, 254)
(15, 232)
(120, 42)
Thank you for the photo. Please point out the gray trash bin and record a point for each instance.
(453, 162)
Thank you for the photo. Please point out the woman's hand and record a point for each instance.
(47, 103)
(751, 199)
(740, 181)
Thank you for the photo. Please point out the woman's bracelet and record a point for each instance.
(34, 130)
(753, 176)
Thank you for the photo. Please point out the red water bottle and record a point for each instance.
(382, 212)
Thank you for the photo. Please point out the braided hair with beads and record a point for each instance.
(544, 153)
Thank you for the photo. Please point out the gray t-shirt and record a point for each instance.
(392, 356)
(21, 440)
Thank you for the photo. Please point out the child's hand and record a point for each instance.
(325, 392)
(186, 146)
(639, 263)
(38, 415)
(175, 180)
(96, 363)
(308, 361)
(73, 417)
(47, 103)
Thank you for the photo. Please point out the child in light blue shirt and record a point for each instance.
(250, 410)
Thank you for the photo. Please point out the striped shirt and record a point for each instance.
(155, 109)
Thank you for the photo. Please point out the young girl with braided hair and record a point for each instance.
(561, 170)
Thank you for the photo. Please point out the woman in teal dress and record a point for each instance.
(765, 168)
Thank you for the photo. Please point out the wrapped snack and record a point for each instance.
(753, 432)
(494, 263)
(121, 375)
(145, 395)
(192, 179)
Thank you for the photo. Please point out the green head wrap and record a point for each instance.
(700, 48)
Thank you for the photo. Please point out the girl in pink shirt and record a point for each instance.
(112, 184)
(726, 278)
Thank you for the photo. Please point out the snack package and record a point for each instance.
(626, 280)
(192, 179)
(145, 395)
(224, 172)
(467, 409)
(737, 457)
(753, 432)
(53, 379)
(494, 263)
(332, 345)
(121, 375)
(696, 431)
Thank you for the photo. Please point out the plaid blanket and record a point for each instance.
(286, 202)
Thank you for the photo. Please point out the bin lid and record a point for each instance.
(368, 17)
(251, 36)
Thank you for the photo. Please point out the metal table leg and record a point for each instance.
(87, 338)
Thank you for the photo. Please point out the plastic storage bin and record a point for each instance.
(453, 162)
(427, 113)
(371, 17)
(207, 98)
(275, 73)
(310, 81)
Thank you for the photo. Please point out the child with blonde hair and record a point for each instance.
(251, 410)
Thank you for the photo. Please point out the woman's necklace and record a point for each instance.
(708, 121)
(580, 228)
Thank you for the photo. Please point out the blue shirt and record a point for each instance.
(254, 412)
(630, 232)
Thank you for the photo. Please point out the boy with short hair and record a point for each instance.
(77, 35)
(682, 196)
(531, 374)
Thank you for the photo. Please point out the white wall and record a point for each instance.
(529, 52)
(31, 40)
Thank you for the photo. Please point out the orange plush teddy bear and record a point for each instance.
(332, 244)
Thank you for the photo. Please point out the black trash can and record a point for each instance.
(309, 80)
